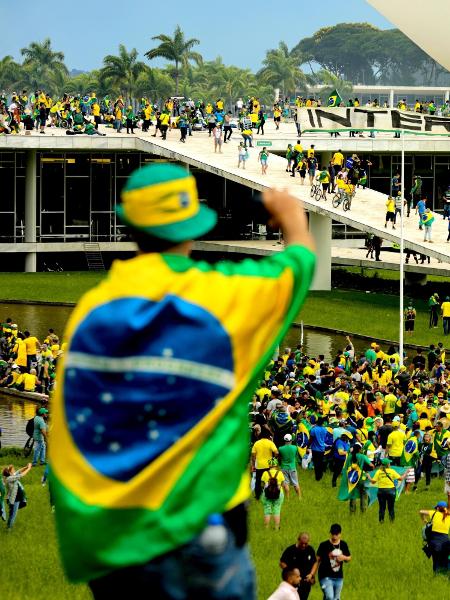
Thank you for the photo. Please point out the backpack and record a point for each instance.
(272, 491)
(29, 428)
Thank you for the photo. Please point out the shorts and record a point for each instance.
(311, 172)
(409, 325)
(325, 186)
(390, 216)
(277, 119)
(447, 487)
(272, 507)
(290, 477)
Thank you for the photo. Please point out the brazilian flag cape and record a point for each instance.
(302, 439)
(334, 99)
(150, 425)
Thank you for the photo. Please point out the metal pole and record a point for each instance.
(402, 210)
(301, 333)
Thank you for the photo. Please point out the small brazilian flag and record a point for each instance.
(335, 99)
(409, 452)
(302, 439)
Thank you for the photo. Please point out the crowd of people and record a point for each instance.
(376, 424)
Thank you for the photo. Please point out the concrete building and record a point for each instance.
(58, 192)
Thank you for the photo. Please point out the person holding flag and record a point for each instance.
(149, 450)
(410, 457)
(385, 479)
(354, 478)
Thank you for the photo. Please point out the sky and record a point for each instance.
(238, 33)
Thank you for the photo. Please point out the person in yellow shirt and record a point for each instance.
(390, 212)
(384, 479)
(147, 117)
(445, 308)
(337, 161)
(424, 421)
(20, 350)
(390, 402)
(277, 116)
(164, 124)
(32, 345)
(395, 442)
(95, 107)
(28, 382)
(273, 480)
(438, 542)
(263, 451)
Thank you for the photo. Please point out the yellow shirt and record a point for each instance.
(272, 473)
(390, 205)
(96, 109)
(390, 402)
(276, 113)
(264, 450)
(31, 344)
(395, 443)
(310, 152)
(440, 524)
(21, 350)
(29, 382)
(338, 158)
(445, 309)
(165, 118)
(381, 478)
(55, 350)
(148, 112)
(298, 148)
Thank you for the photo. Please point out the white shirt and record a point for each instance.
(285, 591)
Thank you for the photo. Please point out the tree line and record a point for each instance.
(334, 57)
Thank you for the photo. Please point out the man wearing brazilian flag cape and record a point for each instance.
(149, 448)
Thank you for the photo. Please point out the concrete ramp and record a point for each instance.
(368, 208)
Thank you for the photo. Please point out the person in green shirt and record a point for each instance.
(129, 116)
(288, 464)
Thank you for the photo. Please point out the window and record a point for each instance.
(77, 201)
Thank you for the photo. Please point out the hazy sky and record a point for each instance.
(240, 33)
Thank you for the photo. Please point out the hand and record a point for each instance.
(340, 558)
(29, 466)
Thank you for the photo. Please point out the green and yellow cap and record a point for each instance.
(162, 200)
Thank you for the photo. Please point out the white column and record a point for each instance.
(391, 99)
(320, 228)
(30, 209)
(447, 95)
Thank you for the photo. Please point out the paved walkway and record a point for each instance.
(368, 208)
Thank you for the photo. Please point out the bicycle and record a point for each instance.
(316, 188)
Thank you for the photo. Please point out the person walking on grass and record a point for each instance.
(242, 155)
(15, 493)
(288, 463)
(439, 543)
(331, 556)
(218, 139)
(385, 479)
(272, 496)
(263, 158)
(288, 588)
(410, 319)
(40, 432)
(303, 557)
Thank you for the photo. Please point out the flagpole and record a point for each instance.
(301, 334)
(402, 211)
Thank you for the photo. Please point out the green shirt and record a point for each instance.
(39, 426)
(288, 455)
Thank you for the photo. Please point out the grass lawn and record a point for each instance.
(375, 315)
(387, 560)
(46, 287)
(387, 273)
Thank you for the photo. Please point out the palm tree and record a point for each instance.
(123, 71)
(40, 61)
(332, 82)
(281, 70)
(154, 84)
(9, 72)
(177, 50)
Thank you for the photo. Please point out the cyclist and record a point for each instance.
(324, 180)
